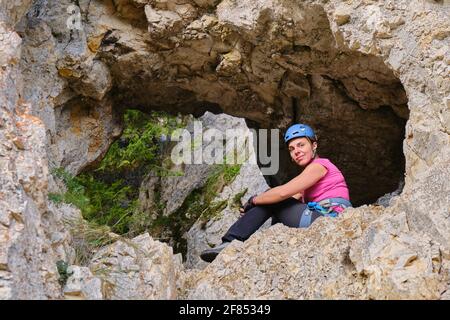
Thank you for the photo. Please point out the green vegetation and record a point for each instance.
(108, 196)
(141, 134)
(62, 266)
(88, 238)
(75, 194)
(236, 203)
(102, 203)
(199, 204)
(103, 195)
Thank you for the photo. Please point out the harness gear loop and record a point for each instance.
(324, 207)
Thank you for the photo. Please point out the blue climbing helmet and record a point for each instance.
(299, 130)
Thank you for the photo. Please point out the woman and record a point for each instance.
(320, 190)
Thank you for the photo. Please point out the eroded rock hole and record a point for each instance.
(284, 71)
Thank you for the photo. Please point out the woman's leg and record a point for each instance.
(290, 211)
(287, 212)
(246, 225)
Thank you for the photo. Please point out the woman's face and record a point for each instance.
(301, 151)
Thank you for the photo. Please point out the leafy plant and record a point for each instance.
(75, 191)
(62, 266)
(103, 195)
(110, 204)
(140, 143)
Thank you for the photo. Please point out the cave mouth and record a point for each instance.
(365, 142)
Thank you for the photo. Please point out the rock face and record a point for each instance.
(371, 77)
(80, 124)
(82, 284)
(140, 268)
(360, 256)
(27, 258)
(175, 189)
(131, 269)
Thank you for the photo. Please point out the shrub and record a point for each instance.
(102, 195)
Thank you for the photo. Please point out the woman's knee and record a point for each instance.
(258, 211)
(290, 218)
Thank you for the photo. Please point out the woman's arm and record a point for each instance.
(298, 195)
(312, 173)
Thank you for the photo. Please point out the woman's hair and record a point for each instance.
(311, 139)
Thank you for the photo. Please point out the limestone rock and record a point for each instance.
(96, 82)
(175, 189)
(206, 3)
(283, 263)
(375, 87)
(60, 217)
(12, 11)
(325, 262)
(398, 264)
(27, 258)
(168, 16)
(230, 63)
(82, 284)
(388, 198)
(96, 122)
(342, 15)
(140, 268)
(246, 15)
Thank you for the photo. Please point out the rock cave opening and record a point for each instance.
(287, 68)
(360, 124)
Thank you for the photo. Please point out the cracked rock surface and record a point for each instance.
(371, 77)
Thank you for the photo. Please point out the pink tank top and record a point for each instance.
(332, 185)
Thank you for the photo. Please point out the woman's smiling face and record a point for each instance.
(301, 150)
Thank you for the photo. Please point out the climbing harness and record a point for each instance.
(324, 207)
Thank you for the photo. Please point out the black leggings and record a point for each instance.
(288, 212)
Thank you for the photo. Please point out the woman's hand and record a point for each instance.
(247, 206)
